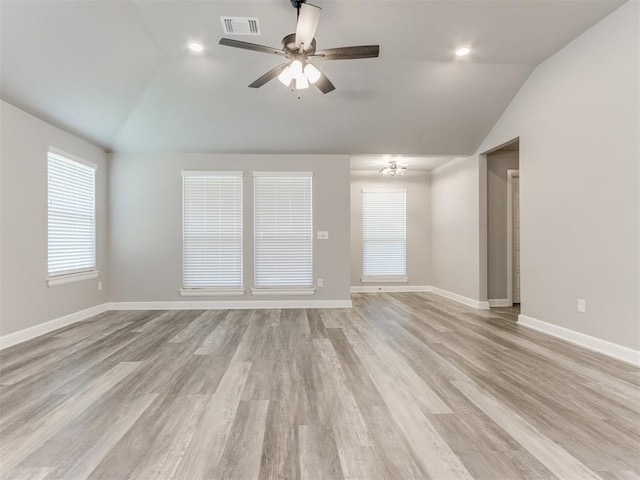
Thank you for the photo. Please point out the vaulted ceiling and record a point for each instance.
(119, 74)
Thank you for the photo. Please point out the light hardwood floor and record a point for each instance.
(401, 386)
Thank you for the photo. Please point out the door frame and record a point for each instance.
(511, 174)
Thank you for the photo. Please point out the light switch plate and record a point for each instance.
(323, 235)
(582, 306)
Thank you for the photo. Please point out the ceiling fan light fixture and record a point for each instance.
(297, 49)
(312, 73)
(285, 77)
(302, 82)
(393, 167)
(296, 68)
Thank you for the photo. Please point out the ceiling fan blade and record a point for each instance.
(270, 75)
(307, 24)
(324, 84)
(348, 53)
(229, 42)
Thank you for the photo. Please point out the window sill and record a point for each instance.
(283, 291)
(71, 278)
(211, 292)
(385, 279)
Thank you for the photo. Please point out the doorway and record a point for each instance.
(503, 226)
(513, 237)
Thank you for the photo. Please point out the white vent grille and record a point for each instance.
(241, 25)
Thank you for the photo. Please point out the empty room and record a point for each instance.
(272, 239)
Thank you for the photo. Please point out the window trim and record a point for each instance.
(211, 292)
(384, 278)
(65, 278)
(283, 291)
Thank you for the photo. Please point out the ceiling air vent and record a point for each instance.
(241, 25)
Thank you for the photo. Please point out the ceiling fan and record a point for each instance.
(299, 48)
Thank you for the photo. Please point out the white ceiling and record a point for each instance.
(119, 73)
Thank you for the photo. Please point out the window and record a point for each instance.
(283, 232)
(384, 235)
(71, 219)
(212, 233)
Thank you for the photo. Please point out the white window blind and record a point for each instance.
(212, 230)
(384, 239)
(283, 230)
(71, 216)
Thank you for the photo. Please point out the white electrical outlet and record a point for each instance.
(99, 285)
(323, 235)
(582, 306)
(320, 283)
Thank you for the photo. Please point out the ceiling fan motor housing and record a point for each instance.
(289, 46)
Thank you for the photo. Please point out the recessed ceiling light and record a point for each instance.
(462, 51)
(196, 47)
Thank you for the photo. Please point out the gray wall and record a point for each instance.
(145, 222)
(497, 165)
(418, 224)
(25, 299)
(455, 238)
(577, 118)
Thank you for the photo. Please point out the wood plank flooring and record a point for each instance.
(401, 386)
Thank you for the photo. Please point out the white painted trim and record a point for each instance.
(71, 278)
(421, 289)
(510, 175)
(70, 156)
(46, 327)
(470, 302)
(500, 302)
(208, 173)
(390, 288)
(384, 278)
(283, 291)
(384, 190)
(231, 305)
(592, 343)
(211, 292)
(283, 174)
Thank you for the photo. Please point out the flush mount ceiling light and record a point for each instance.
(393, 167)
(299, 49)
(462, 51)
(196, 47)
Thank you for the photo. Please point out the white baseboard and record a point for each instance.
(231, 305)
(500, 302)
(592, 343)
(470, 302)
(389, 288)
(46, 327)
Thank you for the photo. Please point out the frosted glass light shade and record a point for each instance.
(296, 68)
(312, 73)
(302, 82)
(285, 77)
